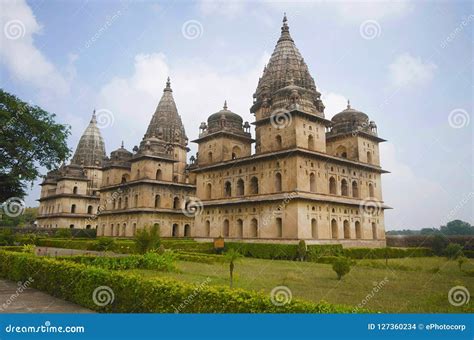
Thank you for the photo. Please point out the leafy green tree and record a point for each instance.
(232, 256)
(453, 251)
(341, 266)
(29, 139)
(302, 250)
(147, 239)
(439, 244)
(26, 219)
(457, 227)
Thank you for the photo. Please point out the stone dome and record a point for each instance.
(351, 120)
(121, 154)
(224, 120)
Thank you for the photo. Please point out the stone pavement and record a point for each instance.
(30, 300)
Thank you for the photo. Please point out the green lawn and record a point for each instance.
(412, 285)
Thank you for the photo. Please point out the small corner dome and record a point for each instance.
(226, 114)
(350, 114)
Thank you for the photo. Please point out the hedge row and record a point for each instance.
(467, 242)
(124, 246)
(161, 262)
(381, 253)
(315, 252)
(199, 257)
(133, 294)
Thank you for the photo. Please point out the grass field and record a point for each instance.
(406, 285)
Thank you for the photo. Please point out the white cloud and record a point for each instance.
(357, 10)
(334, 103)
(221, 7)
(198, 88)
(25, 62)
(407, 70)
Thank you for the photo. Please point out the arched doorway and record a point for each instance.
(175, 230)
(347, 230)
(358, 230)
(187, 230)
(314, 228)
(253, 228)
(334, 231)
(225, 228)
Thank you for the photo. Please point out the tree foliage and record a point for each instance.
(29, 139)
(147, 239)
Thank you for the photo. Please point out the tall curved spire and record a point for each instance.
(166, 123)
(90, 150)
(286, 66)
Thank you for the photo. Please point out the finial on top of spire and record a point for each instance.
(93, 119)
(168, 84)
(285, 30)
(122, 145)
(348, 104)
(225, 105)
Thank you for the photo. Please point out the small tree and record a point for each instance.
(302, 250)
(232, 256)
(63, 233)
(147, 239)
(105, 244)
(453, 251)
(439, 244)
(341, 266)
(461, 261)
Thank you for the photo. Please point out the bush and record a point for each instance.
(7, 238)
(382, 253)
(265, 250)
(77, 282)
(147, 239)
(302, 250)
(152, 261)
(341, 266)
(104, 244)
(63, 233)
(453, 251)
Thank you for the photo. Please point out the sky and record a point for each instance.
(407, 64)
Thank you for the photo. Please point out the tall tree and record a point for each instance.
(29, 139)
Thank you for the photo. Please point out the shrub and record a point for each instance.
(7, 238)
(147, 239)
(453, 251)
(302, 250)
(341, 266)
(104, 244)
(63, 233)
(265, 250)
(76, 283)
(461, 261)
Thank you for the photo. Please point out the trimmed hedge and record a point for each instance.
(199, 257)
(265, 250)
(163, 262)
(381, 253)
(427, 241)
(133, 294)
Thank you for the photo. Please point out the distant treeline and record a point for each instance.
(456, 227)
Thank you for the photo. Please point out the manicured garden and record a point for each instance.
(150, 274)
